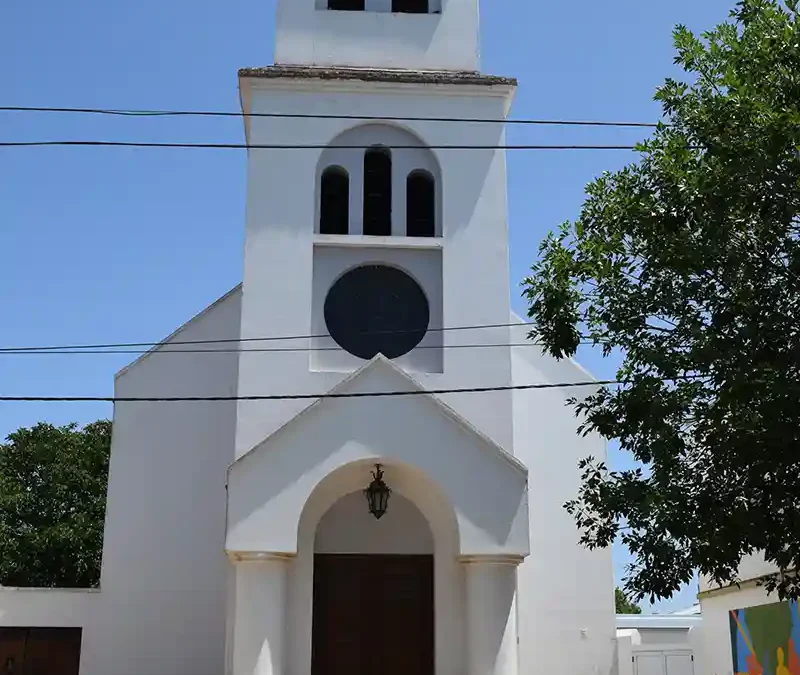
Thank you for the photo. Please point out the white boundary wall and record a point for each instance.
(50, 608)
(675, 641)
(46, 607)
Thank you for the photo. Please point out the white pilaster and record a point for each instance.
(259, 631)
(491, 615)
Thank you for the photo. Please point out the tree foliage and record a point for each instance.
(52, 505)
(687, 264)
(623, 604)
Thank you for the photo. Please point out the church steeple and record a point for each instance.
(380, 234)
(396, 34)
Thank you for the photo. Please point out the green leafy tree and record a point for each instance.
(623, 604)
(52, 505)
(687, 264)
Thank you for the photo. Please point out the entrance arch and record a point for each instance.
(424, 552)
(373, 590)
(471, 492)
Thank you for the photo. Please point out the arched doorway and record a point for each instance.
(373, 590)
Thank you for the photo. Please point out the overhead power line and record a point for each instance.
(266, 338)
(295, 146)
(369, 118)
(295, 397)
(487, 345)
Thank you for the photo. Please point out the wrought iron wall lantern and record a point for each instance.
(377, 494)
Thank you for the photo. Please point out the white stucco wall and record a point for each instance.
(626, 640)
(751, 567)
(280, 240)
(659, 629)
(308, 34)
(161, 610)
(566, 592)
(348, 527)
(52, 608)
(46, 607)
(665, 636)
(697, 642)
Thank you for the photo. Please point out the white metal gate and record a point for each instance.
(658, 662)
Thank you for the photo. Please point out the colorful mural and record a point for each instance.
(765, 640)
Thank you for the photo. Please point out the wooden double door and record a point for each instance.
(373, 615)
(40, 651)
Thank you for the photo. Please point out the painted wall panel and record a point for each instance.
(716, 632)
(765, 639)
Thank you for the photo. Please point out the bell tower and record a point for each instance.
(373, 226)
(413, 34)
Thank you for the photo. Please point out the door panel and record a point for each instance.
(679, 664)
(12, 649)
(373, 614)
(53, 651)
(406, 636)
(649, 664)
(340, 643)
(40, 651)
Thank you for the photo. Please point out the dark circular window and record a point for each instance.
(376, 309)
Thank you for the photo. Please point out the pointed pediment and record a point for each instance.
(484, 487)
(381, 376)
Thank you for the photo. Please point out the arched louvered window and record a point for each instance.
(334, 201)
(420, 204)
(410, 6)
(347, 5)
(378, 192)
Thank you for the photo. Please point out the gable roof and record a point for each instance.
(407, 383)
(156, 346)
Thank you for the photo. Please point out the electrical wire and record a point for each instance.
(262, 350)
(268, 338)
(295, 146)
(321, 116)
(295, 397)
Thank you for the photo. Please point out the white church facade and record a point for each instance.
(239, 539)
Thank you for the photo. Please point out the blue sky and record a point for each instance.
(120, 245)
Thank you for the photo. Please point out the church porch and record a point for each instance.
(361, 594)
(321, 586)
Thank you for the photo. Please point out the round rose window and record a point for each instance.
(376, 309)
